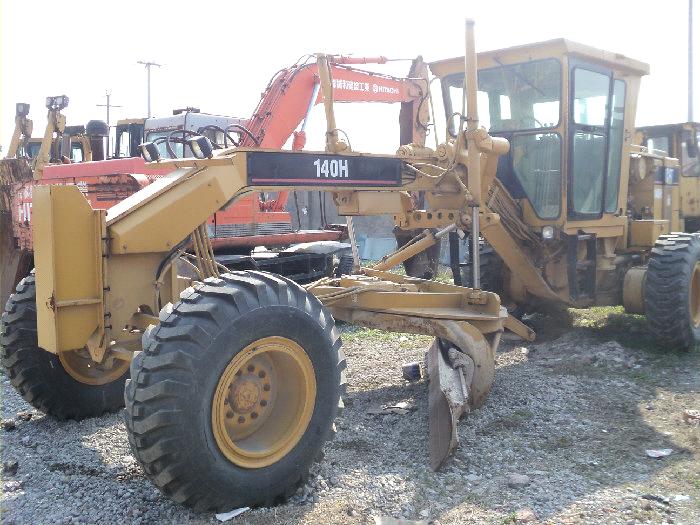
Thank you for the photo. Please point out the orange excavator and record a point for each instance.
(282, 112)
(286, 105)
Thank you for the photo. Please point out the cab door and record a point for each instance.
(596, 134)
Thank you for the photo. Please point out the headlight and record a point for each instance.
(60, 102)
(201, 147)
(548, 233)
(149, 152)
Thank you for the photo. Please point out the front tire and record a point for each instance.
(235, 392)
(672, 290)
(65, 387)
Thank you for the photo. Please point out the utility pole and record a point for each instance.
(108, 105)
(148, 66)
(690, 60)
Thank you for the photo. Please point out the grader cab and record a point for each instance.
(586, 217)
(233, 380)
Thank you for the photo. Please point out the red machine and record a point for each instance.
(287, 101)
(285, 104)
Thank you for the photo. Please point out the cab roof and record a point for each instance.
(126, 121)
(547, 49)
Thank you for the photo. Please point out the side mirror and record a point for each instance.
(201, 147)
(149, 152)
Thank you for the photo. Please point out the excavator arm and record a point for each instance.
(22, 131)
(16, 174)
(293, 92)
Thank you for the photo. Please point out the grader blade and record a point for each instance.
(448, 400)
(466, 325)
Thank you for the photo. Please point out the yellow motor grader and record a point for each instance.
(585, 216)
(679, 141)
(233, 380)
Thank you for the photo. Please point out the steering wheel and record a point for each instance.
(243, 131)
(227, 137)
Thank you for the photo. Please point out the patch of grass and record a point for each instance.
(594, 317)
(510, 518)
(515, 420)
(694, 480)
(578, 369)
(643, 376)
(630, 330)
(356, 334)
(611, 322)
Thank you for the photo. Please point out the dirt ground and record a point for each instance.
(573, 413)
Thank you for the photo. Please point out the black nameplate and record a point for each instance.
(313, 169)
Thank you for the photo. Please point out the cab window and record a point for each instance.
(511, 97)
(123, 144)
(76, 152)
(176, 144)
(589, 109)
(659, 144)
(690, 165)
(617, 137)
(537, 165)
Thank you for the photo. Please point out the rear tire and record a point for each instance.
(491, 275)
(173, 400)
(423, 265)
(672, 290)
(345, 265)
(39, 376)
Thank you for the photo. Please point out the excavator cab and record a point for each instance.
(129, 134)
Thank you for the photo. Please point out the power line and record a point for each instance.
(108, 105)
(148, 66)
(690, 60)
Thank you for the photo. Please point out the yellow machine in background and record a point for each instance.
(235, 378)
(681, 142)
(22, 132)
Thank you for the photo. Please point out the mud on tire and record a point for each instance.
(672, 290)
(38, 375)
(169, 400)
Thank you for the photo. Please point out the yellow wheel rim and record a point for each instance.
(695, 295)
(263, 402)
(79, 365)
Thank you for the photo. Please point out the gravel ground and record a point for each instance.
(561, 439)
